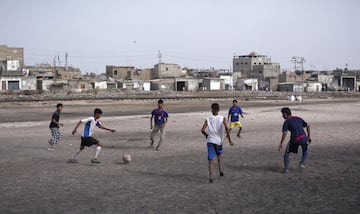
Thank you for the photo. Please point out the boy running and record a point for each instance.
(86, 137)
(234, 113)
(55, 127)
(215, 138)
(160, 117)
(298, 137)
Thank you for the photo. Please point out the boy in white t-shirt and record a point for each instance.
(215, 137)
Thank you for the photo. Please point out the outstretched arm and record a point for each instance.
(76, 127)
(151, 123)
(227, 132)
(107, 129)
(283, 136)
(204, 128)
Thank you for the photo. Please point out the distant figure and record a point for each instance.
(233, 117)
(160, 117)
(215, 138)
(292, 98)
(298, 137)
(55, 127)
(299, 98)
(86, 136)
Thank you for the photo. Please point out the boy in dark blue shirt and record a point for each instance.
(233, 117)
(160, 118)
(298, 137)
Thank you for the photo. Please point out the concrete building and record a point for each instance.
(244, 64)
(47, 72)
(166, 70)
(213, 84)
(120, 72)
(167, 84)
(291, 87)
(247, 85)
(11, 53)
(187, 84)
(256, 66)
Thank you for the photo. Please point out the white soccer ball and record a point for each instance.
(126, 158)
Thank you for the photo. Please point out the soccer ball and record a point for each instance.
(126, 158)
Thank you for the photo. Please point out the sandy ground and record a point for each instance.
(175, 179)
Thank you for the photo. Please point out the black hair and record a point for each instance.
(160, 101)
(59, 105)
(234, 101)
(215, 107)
(286, 110)
(97, 111)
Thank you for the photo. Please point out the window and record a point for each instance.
(166, 68)
(254, 63)
(115, 72)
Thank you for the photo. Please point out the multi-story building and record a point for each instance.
(11, 53)
(245, 64)
(120, 72)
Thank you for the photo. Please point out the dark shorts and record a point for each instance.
(88, 141)
(214, 150)
(294, 147)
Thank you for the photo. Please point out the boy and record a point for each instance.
(215, 137)
(234, 113)
(298, 137)
(86, 137)
(55, 127)
(160, 117)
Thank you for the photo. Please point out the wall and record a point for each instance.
(28, 83)
(163, 70)
(12, 53)
(120, 72)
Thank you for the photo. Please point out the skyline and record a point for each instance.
(201, 34)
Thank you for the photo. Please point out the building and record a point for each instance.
(166, 70)
(247, 85)
(120, 72)
(258, 67)
(47, 72)
(244, 64)
(213, 84)
(11, 53)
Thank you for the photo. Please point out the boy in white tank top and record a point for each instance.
(216, 125)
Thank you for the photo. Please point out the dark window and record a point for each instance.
(237, 63)
(166, 68)
(115, 72)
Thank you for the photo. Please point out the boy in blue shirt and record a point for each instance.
(160, 118)
(298, 137)
(233, 117)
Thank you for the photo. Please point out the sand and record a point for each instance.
(175, 179)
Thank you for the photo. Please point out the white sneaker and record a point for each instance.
(285, 171)
(302, 166)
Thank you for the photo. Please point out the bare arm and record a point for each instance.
(228, 117)
(76, 127)
(227, 132)
(107, 129)
(308, 133)
(283, 136)
(151, 123)
(58, 123)
(204, 128)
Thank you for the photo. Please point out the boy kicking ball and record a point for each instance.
(215, 138)
(86, 137)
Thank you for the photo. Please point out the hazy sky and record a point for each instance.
(192, 33)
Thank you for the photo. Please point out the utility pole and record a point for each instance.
(159, 56)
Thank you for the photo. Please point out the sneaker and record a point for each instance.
(221, 173)
(286, 171)
(51, 149)
(211, 181)
(95, 160)
(72, 160)
(302, 166)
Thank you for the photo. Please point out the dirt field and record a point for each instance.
(175, 179)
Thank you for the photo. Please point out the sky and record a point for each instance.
(191, 33)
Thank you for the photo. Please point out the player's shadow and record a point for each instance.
(181, 176)
(254, 168)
